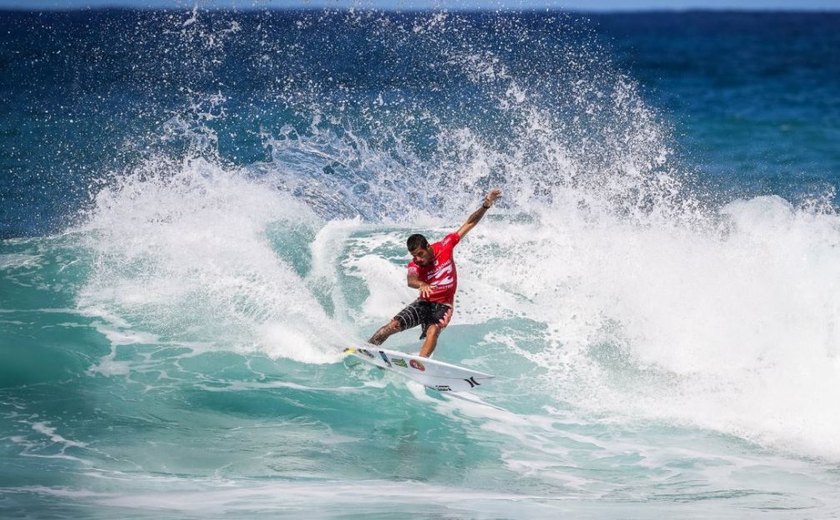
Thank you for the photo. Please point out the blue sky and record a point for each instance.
(588, 5)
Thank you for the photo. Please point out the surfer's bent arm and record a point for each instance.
(415, 283)
(476, 215)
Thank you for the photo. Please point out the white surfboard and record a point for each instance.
(436, 375)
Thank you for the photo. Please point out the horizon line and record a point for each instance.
(537, 9)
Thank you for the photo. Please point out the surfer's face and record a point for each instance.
(423, 257)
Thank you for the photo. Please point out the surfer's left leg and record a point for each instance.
(429, 344)
(442, 314)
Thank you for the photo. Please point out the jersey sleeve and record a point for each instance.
(413, 269)
(451, 240)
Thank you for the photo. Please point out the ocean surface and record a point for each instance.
(200, 210)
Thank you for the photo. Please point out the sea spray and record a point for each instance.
(660, 347)
(728, 331)
(186, 255)
(642, 287)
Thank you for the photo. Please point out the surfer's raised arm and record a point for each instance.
(476, 215)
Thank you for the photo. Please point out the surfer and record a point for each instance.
(432, 272)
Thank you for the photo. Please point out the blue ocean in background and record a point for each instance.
(201, 209)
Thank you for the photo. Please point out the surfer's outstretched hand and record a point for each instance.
(491, 196)
(426, 290)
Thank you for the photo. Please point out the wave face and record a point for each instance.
(224, 201)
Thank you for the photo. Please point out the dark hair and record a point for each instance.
(416, 240)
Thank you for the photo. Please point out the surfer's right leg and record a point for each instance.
(384, 332)
(407, 318)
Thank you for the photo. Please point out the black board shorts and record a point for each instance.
(423, 313)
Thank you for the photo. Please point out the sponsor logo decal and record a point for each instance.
(385, 358)
(473, 383)
(400, 362)
(418, 365)
(443, 388)
(366, 352)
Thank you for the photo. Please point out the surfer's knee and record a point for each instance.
(392, 327)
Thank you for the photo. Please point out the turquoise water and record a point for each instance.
(200, 217)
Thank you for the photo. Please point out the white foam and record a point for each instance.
(386, 283)
(238, 386)
(50, 432)
(648, 304)
(12, 261)
(107, 366)
(182, 254)
(731, 330)
(288, 496)
(285, 340)
(127, 337)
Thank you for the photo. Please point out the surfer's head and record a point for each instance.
(420, 251)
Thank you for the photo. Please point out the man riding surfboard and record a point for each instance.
(432, 272)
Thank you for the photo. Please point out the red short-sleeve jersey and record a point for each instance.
(441, 275)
